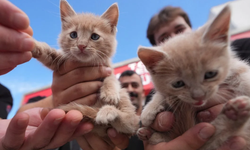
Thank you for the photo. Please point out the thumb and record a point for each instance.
(192, 139)
(15, 133)
(120, 140)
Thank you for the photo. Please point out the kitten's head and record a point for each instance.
(87, 37)
(190, 67)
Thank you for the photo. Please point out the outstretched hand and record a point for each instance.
(39, 128)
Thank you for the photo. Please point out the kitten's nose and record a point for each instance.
(81, 47)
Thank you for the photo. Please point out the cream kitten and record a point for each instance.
(192, 69)
(91, 40)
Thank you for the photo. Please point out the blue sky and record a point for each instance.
(134, 17)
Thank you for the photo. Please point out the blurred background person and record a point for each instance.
(133, 83)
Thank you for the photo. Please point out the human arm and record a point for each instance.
(15, 41)
(44, 103)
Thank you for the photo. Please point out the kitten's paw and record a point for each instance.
(158, 137)
(36, 52)
(110, 97)
(148, 116)
(144, 133)
(40, 50)
(106, 115)
(238, 108)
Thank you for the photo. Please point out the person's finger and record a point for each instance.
(92, 139)
(77, 91)
(83, 128)
(44, 112)
(119, 140)
(192, 139)
(78, 75)
(45, 131)
(4, 71)
(235, 143)
(83, 143)
(71, 65)
(66, 129)
(28, 30)
(163, 122)
(10, 60)
(15, 41)
(15, 134)
(210, 114)
(13, 17)
(89, 100)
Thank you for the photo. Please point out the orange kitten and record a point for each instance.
(91, 39)
(192, 69)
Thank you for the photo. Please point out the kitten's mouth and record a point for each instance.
(199, 103)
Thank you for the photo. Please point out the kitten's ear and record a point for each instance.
(150, 56)
(218, 30)
(66, 10)
(112, 14)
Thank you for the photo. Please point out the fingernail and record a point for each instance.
(22, 122)
(28, 44)
(112, 133)
(236, 146)
(108, 70)
(165, 118)
(20, 21)
(58, 121)
(74, 123)
(204, 115)
(206, 132)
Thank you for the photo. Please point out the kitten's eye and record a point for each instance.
(95, 36)
(178, 84)
(210, 74)
(73, 34)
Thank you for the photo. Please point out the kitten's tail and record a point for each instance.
(86, 110)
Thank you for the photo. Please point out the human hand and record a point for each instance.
(165, 120)
(75, 82)
(94, 142)
(16, 43)
(195, 138)
(39, 128)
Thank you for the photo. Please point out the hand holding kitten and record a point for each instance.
(86, 80)
(83, 81)
(195, 138)
(164, 122)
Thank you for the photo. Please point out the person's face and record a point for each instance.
(177, 26)
(134, 87)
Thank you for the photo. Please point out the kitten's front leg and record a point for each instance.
(156, 105)
(110, 90)
(47, 55)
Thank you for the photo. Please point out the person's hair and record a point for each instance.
(166, 15)
(129, 73)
